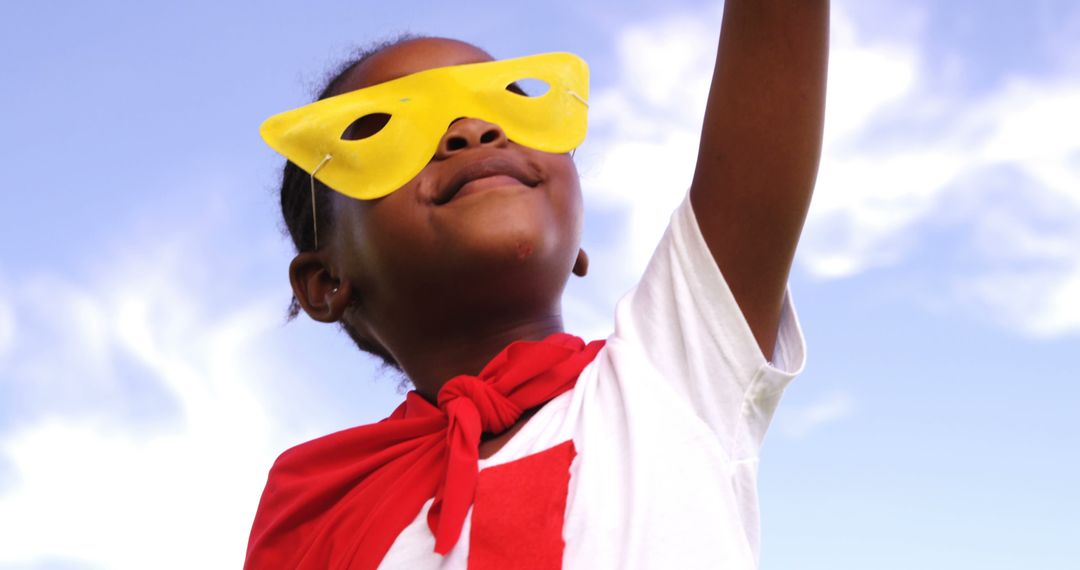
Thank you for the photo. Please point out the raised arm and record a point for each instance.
(760, 146)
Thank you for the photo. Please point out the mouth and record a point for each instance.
(487, 173)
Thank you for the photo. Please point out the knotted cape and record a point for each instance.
(341, 500)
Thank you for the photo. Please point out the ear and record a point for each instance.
(323, 297)
(581, 264)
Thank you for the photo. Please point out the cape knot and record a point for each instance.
(496, 412)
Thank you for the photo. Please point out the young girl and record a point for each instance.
(442, 241)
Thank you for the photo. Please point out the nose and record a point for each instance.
(465, 133)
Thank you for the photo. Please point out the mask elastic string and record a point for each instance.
(583, 102)
(578, 97)
(314, 220)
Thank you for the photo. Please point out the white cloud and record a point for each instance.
(872, 201)
(864, 199)
(799, 421)
(1030, 276)
(90, 488)
(647, 128)
(896, 151)
(864, 78)
(641, 156)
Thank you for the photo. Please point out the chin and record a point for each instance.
(523, 254)
(511, 226)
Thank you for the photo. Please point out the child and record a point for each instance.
(522, 446)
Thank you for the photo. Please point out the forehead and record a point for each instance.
(410, 57)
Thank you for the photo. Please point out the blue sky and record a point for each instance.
(147, 378)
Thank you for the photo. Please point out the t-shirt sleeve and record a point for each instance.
(685, 320)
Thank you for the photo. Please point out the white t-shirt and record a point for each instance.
(666, 422)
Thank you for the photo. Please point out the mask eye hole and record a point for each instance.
(529, 87)
(365, 127)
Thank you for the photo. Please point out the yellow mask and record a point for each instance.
(421, 106)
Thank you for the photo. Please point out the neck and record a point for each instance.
(431, 364)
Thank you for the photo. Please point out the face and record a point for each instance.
(487, 228)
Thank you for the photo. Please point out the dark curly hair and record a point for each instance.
(296, 202)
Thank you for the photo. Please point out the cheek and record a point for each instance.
(375, 235)
(566, 193)
(393, 232)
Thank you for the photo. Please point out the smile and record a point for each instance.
(487, 183)
(486, 174)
